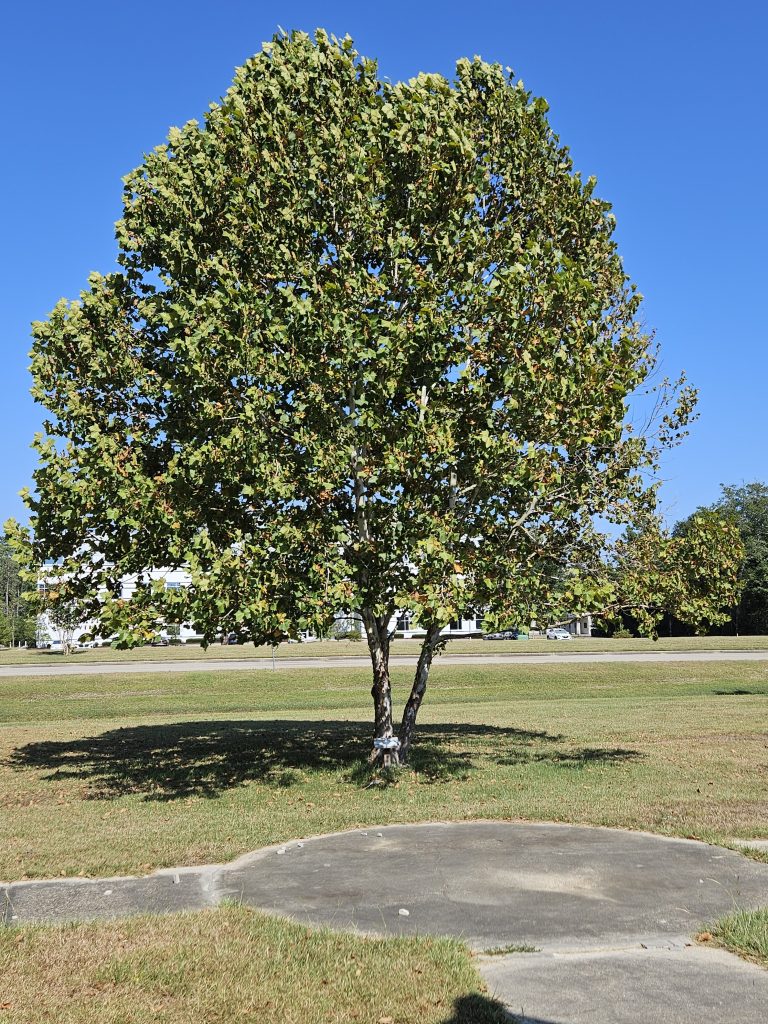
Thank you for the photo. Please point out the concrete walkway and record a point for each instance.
(611, 913)
(83, 668)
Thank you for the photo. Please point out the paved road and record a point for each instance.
(611, 913)
(79, 668)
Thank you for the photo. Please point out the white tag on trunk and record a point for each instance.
(386, 743)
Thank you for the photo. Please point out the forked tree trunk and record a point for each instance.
(377, 633)
(408, 725)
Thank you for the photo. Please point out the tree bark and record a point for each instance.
(408, 725)
(377, 634)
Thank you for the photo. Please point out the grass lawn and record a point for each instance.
(233, 966)
(106, 774)
(358, 649)
(114, 774)
(744, 932)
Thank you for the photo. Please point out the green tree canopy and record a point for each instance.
(370, 347)
(691, 574)
(746, 506)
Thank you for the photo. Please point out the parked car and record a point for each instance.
(505, 634)
(557, 633)
(159, 641)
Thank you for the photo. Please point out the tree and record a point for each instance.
(173, 632)
(370, 348)
(746, 506)
(17, 621)
(65, 616)
(691, 574)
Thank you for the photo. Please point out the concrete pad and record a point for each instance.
(754, 844)
(88, 899)
(489, 883)
(611, 911)
(495, 883)
(692, 985)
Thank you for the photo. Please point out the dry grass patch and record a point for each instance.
(230, 966)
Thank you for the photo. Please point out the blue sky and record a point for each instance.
(664, 102)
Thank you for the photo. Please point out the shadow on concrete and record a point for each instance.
(183, 759)
(479, 1009)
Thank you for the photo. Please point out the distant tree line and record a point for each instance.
(18, 617)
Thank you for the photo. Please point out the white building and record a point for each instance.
(402, 624)
(174, 579)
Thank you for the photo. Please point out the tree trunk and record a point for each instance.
(377, 634)
(408, 725)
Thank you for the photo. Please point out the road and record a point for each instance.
(81, 668)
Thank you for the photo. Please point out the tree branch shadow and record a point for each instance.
(179, 760)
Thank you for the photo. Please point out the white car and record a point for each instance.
(558, 633)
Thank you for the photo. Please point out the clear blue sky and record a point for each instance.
(664, 102)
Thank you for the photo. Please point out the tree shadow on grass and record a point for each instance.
(740, 693)
(184, 759)
(581, 758)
